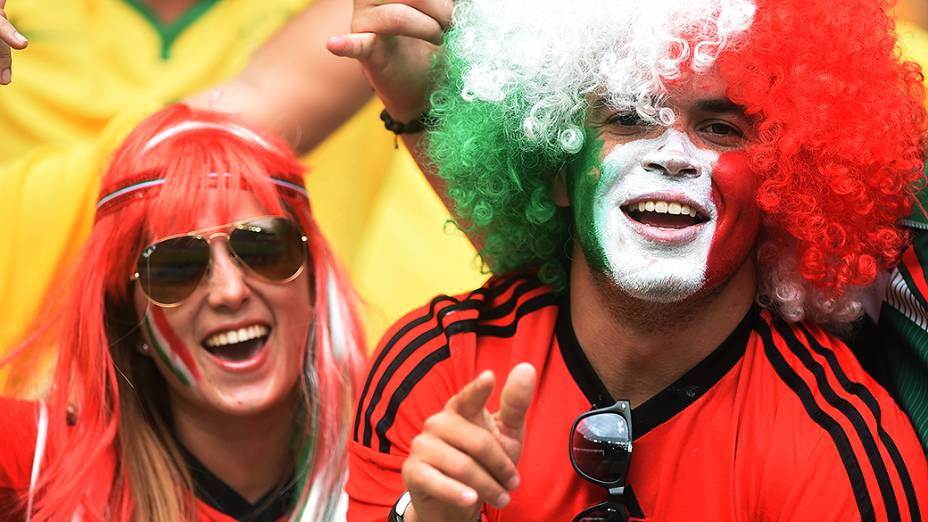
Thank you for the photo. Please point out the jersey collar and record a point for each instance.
(218, 495)
(671, 400)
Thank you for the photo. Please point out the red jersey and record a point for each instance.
(216, 501)
(778, 423)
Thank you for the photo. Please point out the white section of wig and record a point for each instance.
(41, 439)
(786, 293)
(556, 54)
(231, 128)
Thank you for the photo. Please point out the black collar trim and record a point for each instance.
(672, 400)
(218, 495)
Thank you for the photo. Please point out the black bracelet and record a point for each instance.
(419, 124)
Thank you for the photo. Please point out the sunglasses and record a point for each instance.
(271, 247)
(600, 452)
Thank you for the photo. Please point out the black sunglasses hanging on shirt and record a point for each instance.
(600, 452)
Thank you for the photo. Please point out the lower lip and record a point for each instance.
(668, 236)
(247, 365)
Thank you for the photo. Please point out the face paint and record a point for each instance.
(667, 178)
(734, 186)
(172, 351)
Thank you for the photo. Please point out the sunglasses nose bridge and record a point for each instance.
(225, 275)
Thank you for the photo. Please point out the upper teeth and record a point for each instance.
(236, 336)
(663, 207)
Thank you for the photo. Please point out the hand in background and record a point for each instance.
(394, 41)
(9, 38)
(466, 456)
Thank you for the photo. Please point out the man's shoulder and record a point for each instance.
(496, 309)
(432, 352)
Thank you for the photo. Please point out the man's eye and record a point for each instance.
(723, 129)
(625, 119)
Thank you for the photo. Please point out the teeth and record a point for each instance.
(236, 336)
(664, 207)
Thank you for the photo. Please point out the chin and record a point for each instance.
(658, 285)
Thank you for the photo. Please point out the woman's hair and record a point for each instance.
(839, 122)
(114, 396)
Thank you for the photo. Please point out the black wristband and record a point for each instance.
(419, 124)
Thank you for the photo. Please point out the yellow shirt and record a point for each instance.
(95, 67)
(914, 42)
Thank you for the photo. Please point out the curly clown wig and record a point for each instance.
(838, 120)
(155, 185)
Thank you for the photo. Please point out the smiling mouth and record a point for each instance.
(664, 214)
(239, 344)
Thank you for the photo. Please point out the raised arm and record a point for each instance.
(395, 42)
(292, 84)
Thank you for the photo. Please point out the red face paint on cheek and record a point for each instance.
(739, 217)
(172, 351)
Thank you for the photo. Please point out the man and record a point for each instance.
(676, 195)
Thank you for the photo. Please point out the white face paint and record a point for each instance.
(651, 262)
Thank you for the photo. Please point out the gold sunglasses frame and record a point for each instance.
(225, 231)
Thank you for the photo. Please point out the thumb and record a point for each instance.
(517, 397)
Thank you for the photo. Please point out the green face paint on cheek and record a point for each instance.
(587, 179)
(170, 349)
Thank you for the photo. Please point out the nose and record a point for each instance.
(674, 156)
(227, 286)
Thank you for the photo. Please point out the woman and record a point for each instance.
(208, 344)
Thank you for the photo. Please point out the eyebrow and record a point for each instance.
(719, 105)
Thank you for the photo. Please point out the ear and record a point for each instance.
(559, 188)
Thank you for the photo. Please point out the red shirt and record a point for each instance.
(18, 425)
(778, 423)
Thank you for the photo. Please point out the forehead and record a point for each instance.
(220, 207)
(693, 87)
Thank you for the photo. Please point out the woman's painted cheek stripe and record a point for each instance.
(739, 217)
(172, 351)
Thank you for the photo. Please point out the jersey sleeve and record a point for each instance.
(421, 362)
(904, 326)
(822, 488)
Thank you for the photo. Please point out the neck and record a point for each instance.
(638, 347)
(168, 11)
(252, 454)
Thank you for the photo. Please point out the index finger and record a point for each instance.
(472, 399)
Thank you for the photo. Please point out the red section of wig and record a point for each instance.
(840, 134)
(84, 374)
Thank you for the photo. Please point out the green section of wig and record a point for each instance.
(498, 180)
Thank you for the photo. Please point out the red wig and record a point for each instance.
(186, 148)
(839, 142)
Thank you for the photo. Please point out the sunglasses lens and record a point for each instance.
(171, 269)
(601, 514)
(272, 247)
(601, 447)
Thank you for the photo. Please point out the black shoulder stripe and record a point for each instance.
(852, 414)
(402, 391)
(420, 340)
(442, 353)
(401, 357)
(500, 287)
(867, 398)
(383, 354)
(830, 425)
(531, 305)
